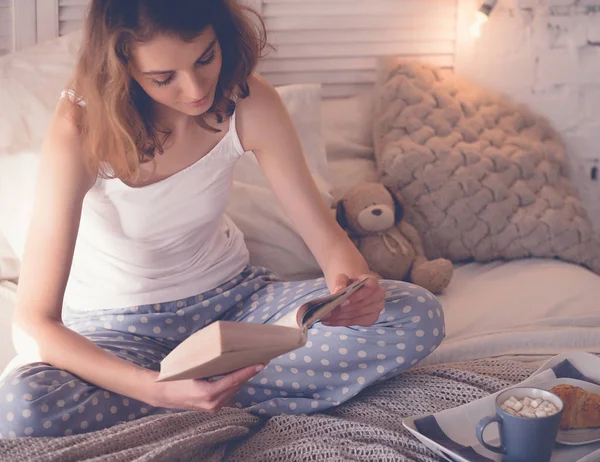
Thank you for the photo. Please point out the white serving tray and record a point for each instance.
(451, 433)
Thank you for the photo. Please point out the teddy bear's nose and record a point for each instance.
(376, 212)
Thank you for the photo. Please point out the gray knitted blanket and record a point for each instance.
(367, 428)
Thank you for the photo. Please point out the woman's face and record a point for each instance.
(179, 75)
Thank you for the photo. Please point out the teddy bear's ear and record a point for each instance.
(397, 205)
(340, 214)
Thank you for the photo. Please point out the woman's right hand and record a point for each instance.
(201, 395)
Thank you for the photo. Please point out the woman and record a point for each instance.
(129, 235)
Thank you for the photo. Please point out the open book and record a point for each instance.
(225, 346)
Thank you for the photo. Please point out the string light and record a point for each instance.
(482, 16)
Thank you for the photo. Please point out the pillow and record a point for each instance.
(9, 263)
(271, 237)
(18, 175)
(347, 129)
(8, 296)
(30, 85)
(481, 177)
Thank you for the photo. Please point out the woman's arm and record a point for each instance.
(266, 128)
(38, 331)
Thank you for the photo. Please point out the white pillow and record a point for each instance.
(8, 296)
(18, 175)
(270, 235)
(9, 263)
(348, 137)
(30, 85)
(271, 238)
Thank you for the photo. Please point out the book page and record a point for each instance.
(292, 319)
(324, 307)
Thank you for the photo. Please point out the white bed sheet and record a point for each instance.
(521, 307)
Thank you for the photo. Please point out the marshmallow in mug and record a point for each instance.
(529, 407)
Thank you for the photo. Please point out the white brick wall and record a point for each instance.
(546, 54)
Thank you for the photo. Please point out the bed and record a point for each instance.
(502, 317)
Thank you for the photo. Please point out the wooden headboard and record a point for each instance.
(332, 42)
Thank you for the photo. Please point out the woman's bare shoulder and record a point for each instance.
(259, 112)
(262, 94)
(64, 125)
(63, 143)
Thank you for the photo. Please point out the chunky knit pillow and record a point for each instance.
(480, 176)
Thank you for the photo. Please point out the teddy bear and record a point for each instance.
(371, 214)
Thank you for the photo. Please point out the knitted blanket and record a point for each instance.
(367, 428)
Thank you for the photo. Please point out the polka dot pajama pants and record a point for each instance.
(335, 364)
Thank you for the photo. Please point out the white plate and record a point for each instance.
(451, 433)
(576, 436)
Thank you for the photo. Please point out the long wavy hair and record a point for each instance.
(117, 127)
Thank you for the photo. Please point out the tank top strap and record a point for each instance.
(233, 133)
(73, 97)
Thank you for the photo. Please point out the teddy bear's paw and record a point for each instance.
(434, 275)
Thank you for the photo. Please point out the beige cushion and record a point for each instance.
(481, 177)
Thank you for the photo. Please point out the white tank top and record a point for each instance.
(162, 242)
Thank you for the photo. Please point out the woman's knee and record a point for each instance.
(411, 298)
(25, 395)
(17, 406)
(414, 307)
(427, 306)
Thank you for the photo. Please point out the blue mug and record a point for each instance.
(523, 439)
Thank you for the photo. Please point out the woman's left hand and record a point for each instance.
(362, 308)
